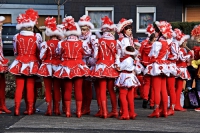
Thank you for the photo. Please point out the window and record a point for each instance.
(96, 13)
(145, 16)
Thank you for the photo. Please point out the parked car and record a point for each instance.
(8, 32)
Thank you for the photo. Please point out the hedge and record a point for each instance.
(185, 27)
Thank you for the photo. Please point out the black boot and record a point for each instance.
(144, 104)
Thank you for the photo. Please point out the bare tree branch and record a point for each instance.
(64, 2)
(56, 2)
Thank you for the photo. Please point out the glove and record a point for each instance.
(194, 64)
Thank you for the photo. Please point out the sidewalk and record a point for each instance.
(183, 122)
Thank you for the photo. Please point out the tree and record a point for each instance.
(58, 2)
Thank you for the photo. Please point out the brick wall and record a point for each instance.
(169, 10)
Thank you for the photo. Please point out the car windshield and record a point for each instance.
(9, 30)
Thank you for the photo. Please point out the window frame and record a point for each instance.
(144, 9)
(88, 9)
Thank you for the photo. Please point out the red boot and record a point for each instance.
(78, 108)
(114, 112)
(49, 110)
(57, 108)
(104, 110)
(98, 114)
(171, 110)
(179, 108)
(68, 108)
(30, 108)
(164, 110)
(17, 111)
(3, 107)
(156, 112)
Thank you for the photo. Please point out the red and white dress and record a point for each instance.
(26, 44)
(3, 62)
(105, 55)
(173, 57)
(127, 78)
(182, 63)
(71, 52)
(159, 63)
(49, 57)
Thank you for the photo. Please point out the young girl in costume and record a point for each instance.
(104, 52)
(182, 65)
(3, 70)
(127, 82)
(26, 64)
(72, 68)
(50, 62)
(158, 68)
(86, 37)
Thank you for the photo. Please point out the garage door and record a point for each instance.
(7, 18)
(193, 13)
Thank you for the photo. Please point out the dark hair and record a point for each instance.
(152, 36)
(158, 31)
(126, 28)
(131, 49)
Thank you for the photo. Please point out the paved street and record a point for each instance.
(183, 122)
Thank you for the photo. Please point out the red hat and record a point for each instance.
(85, 21)
(70, 27)
(107, 24)
(28, 19)
(136, 42)
(150, 29)
(179, 36)
(195, 32)
(123, 23)
(51, 27)
(165, 28)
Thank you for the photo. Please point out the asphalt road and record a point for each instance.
(181, 122)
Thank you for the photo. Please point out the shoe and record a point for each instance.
(144, 104)
(197, 109)
(124, 117)
(180, 109)
(170, 112)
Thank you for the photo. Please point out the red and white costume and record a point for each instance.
(26, 64)
(72, 68)
(145, 60)
(158, 68)
(3, 69)
(86, 38)
(126, 78)
(126, 82)
(182, 65)
(104, 52)
(50, 62)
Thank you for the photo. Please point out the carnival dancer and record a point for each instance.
(26, 64)
(104, 69)
(3, 69)
(158, 67)
(124, 30)
(139, 69)
(195, 33)
(127, 82)
(173, 57)
(73, 68)
(50, 62)
(182, 65)
(86, 34)
(145, 60)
